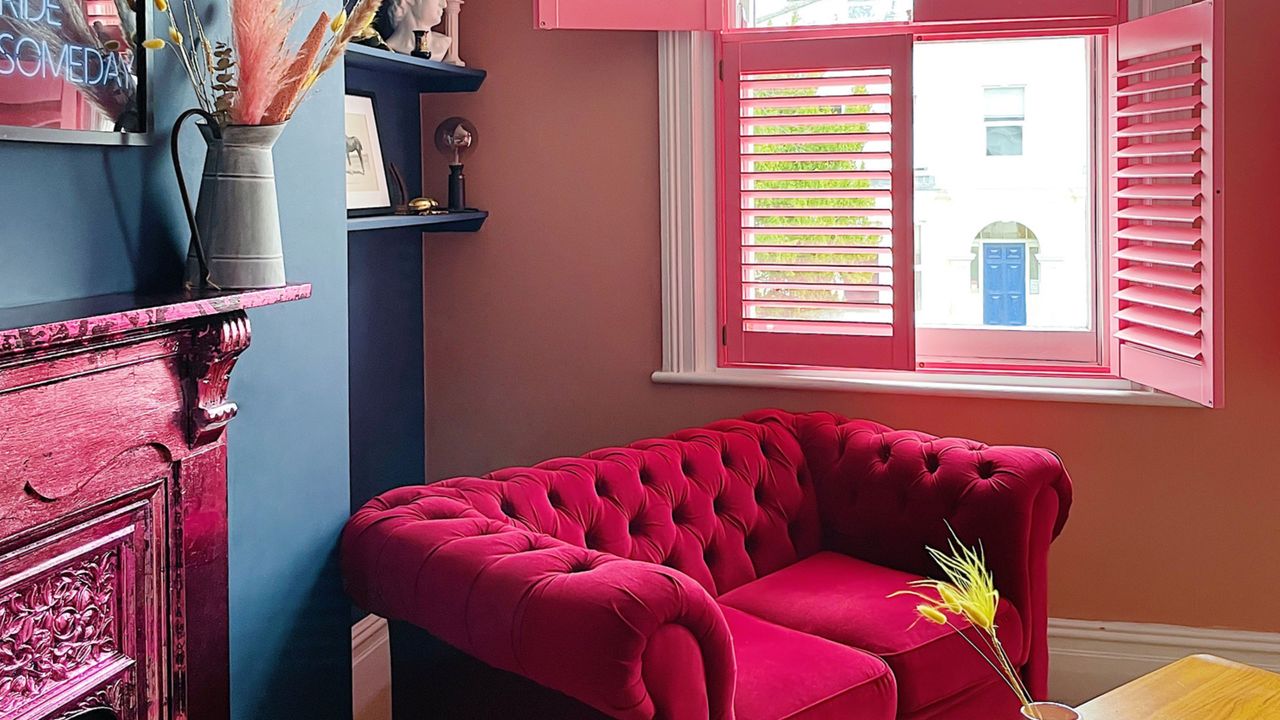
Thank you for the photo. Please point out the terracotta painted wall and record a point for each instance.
(542, 331)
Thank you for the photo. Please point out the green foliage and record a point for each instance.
(844, 227)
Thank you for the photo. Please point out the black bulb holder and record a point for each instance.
(457, 188)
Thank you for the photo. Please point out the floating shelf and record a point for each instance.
(429, 76)
(452, 222)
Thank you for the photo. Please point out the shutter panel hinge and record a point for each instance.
(724, 334)
(721, 70)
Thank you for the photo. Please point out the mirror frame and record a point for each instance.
(102, 138)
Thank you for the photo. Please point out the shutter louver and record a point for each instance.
(817, 221)
(1165, 254)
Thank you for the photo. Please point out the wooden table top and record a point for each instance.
(1201, 687)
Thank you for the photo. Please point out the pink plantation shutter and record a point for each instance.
(817, 230)
(629, 14)
(1166, 240)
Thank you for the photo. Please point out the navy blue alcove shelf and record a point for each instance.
(428, 76)
(452, 222)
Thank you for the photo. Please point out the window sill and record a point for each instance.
(1079, 390)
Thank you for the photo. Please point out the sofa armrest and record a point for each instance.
(572, 619)
(885, 495)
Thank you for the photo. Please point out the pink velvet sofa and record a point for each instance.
(739, 570)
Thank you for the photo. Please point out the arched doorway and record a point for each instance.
(1005, 269)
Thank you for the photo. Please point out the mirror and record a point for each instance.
(72, 71)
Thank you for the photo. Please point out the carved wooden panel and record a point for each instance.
(81, 615)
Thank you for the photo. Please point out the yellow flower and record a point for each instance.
(153, 43)
(338, 21)
(175, 36)
(951, 597)
(968, 591)
(162, 5)
(932, 614)
(981, 611)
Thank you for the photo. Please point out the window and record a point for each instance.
(989, 223)
(845, 244)
(792, 13)
(1004, 112)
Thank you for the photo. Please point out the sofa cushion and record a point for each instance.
(846, 600)
(788, 675)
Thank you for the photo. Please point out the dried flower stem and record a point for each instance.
(259, 77)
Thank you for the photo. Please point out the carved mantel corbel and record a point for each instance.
(209, 359)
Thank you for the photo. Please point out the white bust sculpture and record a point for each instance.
(410, 15)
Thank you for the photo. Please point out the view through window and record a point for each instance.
(789, 13)
(1003, 197)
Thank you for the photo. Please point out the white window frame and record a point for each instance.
(690, 332)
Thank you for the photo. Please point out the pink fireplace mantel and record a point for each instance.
(113, 498)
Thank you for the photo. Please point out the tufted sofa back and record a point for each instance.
(723, 504)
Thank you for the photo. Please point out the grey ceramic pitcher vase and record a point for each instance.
(237, 218)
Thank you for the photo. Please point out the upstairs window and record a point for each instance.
(1004, 113)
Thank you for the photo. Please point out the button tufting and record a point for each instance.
(507, 508)
(931, 462)
(986, 469)
(645, 477)
(600, 486)
(686, 467)
(885, 452)
(636, 526)
(760, 493)
(553, 497)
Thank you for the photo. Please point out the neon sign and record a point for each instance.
(34, 48)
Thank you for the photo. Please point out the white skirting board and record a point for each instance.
(1086, 657)
(371, 669)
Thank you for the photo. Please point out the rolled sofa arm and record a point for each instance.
(572, 619)
(884, 495)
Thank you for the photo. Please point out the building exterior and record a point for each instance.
(1003, 211)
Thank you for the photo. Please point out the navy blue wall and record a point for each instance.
(388, 414)
(79, 221)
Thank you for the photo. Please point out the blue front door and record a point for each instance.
(1004, 282)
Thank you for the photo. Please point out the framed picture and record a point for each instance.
(367, 192)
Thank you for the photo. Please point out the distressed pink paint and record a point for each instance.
(35, 326)
(113, 525)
